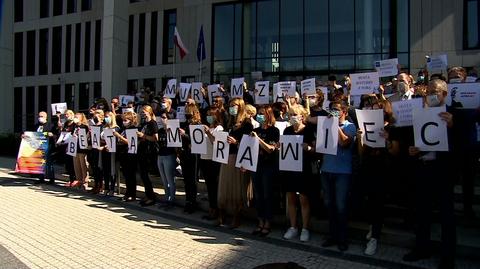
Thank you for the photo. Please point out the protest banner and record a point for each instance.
(262, 92)
(364, 83)
(308, 87)
(110, 139)
(58, 108)
(237, 87)
(132, 138)
(82, 138)
(184, 91)
(95, 132)
(197, 92)
(327, 135)
(125, 99)
(32, 154)
(174, 139)
(213, 91)
(291, 153)
(171, 88)
(387, 68)
(198, 139)
(437, 63)
(403, 111)
(221, 148)
(72, 146)
(463, 95)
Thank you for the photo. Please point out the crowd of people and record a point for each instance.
(420, 180)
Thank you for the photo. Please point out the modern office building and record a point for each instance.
(77, 50)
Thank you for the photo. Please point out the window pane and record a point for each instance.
(97, 90)
(17, 109)
(268, 65)
(341, 62)
(43, 53)
(291, 64)
(169, 23)
(18, 6)
(18, 52)
(472, 24)
(98, 44)
(291, 31)
(341, 27)
(238, 31)
(57, 7)
(86, 5)
(249, 30)
(42, 98)
(68, 48)
(385, 25)
(368, 28)
(316, 63)
(56, 93)
(153, 38)
(130, 40)
(141, 40)
(223, 67)
(224, 17)
(267, 27)
(44, 8)
(316, 27)
(83, 96)
(70, 95)
(88, 32)
(71, 6)
(402, 25)
(78, 39)
(57, 48)
(31, 53)
(366, 61)
(30, 106)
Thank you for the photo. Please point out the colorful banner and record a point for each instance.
(32, 154)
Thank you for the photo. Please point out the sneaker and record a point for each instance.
(304, 235)
(369, 234)
(371, 248)
(290, 233)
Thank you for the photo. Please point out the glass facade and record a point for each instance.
(293, 39)
(471, 24)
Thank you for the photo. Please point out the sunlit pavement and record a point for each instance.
(55, 227)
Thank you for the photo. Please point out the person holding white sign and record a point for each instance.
(69, 126)
(267, 168)
(128, 161)
(188, 161)
(375, 168)
(211, 169)
(166, 161)
(80, 159)
(300, 181)
(166, 105)
(147, 151)
(233, 183)
(434, 180)
(404, 90)
(336, 175)
(109, 173)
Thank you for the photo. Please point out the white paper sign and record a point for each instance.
(181, 113)
(403, 111)
(174, 139)
(364, 83)
(281, 126)
(95, 135)
(132, 140)
(262, 92)
(82, 138)
(171, 89)
(308, 87)
(198, 139)
(387, 68)
(184, 91)
(237, 87)
(430, 131)
(124, 99)
(437, 63)
(355, 100)
(110, 140)
(326, 103)
(58, 108)
(213, 91)
(221, 148)
(463, 95)
(197, 92)
(247, 156)
(470, 79)
(327, 135)
(291, 153)
(72, 146)
(287, 88)
(64, 137)
(371, 123)
(277, 94)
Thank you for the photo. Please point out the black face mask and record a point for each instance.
(95, 119)
(188, 116)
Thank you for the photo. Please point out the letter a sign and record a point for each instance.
(247, 156)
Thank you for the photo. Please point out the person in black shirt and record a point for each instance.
(147, 151)
(166, 161)
(44, 126)
(267, 168)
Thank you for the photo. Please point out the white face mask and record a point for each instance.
(432, 100)
(312, 102)
(42, 120)
(75, 120)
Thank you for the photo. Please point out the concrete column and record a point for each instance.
(114, 48)
(6, 66)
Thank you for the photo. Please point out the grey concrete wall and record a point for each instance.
(6, 68)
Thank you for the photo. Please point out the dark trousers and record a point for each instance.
(144, 164)
(466, 164)
(128, 163)
(108, 162)
(210, 171)
(375, 178)
(434, 183)
(69, 167)
(93, 160)
(189, 171)
(49, 172)
(263, 189)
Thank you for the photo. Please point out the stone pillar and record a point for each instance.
(6, 66)
(114, 48)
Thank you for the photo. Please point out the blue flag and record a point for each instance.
(201, 54)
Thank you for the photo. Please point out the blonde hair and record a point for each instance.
(113, 119)
(251, 110)
(149, 110)
(193, 109)
(131, 116)
(298, 110)
(438, 85)
(69, 112)
(83, 119)
(100, 113)
(241, 114)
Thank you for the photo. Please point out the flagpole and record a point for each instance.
(201, 60)
(174, 59)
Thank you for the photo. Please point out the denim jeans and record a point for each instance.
(335, 195)
(166, 166)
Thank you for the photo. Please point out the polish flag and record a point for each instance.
(178, 41)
